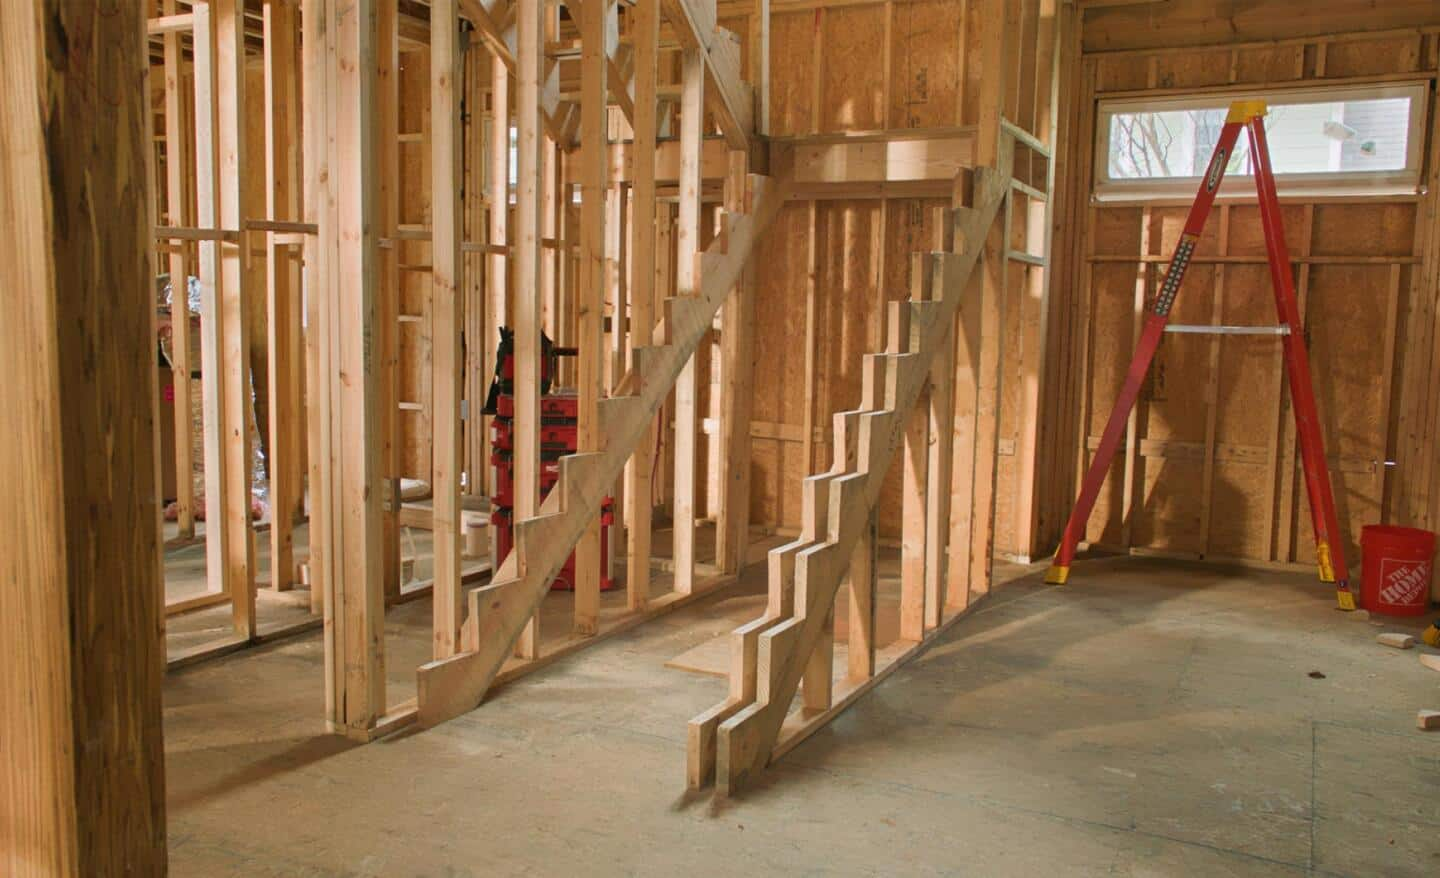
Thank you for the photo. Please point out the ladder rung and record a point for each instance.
(1207, 329)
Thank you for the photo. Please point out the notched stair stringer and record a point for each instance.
(733, 741)
(500, 610)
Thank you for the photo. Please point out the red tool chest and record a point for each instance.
(558, 437)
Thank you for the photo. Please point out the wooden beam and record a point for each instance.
(355, 599)
(732, 100)
(387, 158)
(81, 780)
(171, 23)
(446, 320)
(180, 210)
(913, 525)
(498, 193)
(218, 531)
(737, 369)
(283, 287)
(643, 256)
(236, 412)
(590, 296)
(687, 283)
(860, 632)
(528, 72)
(319, 250)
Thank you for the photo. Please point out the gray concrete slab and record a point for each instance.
(1152, 718)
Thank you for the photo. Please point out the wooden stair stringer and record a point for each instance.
(733, 742)
(499, 611)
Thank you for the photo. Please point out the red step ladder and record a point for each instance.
(1329, 546)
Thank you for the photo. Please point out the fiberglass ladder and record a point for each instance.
(1329, 547)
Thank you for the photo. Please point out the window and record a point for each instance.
(1357, 139)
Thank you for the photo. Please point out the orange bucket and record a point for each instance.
(1395, 569)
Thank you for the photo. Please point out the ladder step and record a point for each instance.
(1207, 329)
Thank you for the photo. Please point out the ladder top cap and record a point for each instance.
(1244, 111)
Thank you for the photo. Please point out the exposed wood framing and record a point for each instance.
(733, 741)
(447, 319)
(82, 784)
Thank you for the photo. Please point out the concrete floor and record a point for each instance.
(1153, 718)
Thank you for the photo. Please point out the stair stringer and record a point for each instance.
(499, 611)
(734, 740)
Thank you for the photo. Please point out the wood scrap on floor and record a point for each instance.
(1396, 640)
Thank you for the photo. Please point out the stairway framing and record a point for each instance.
(771, 656)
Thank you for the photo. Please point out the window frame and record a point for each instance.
(1400, 182)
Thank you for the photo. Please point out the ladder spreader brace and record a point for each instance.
(1329, 545)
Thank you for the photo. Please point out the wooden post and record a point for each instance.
(218, 531)
(499, 223)
(638, 488)
(236, 412)
(446, 319)
(687, 280)
(938, 469)
(860, 634)
(283, 290)
(315, 47)
(989, 143)
(913, 527)
(527, 287)
(590, 296)
(81, 650)
(387, 157)
(180, 209)
(737, 369)
(355, 599)
(476, 66)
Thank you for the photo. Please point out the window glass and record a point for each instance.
(1355, 136)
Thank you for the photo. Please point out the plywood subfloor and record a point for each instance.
(1152, 718)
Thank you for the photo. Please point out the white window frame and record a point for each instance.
(1404, 181)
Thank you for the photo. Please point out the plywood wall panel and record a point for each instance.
(1247, 236)
(1364, 229)
(1192, 70)
(792, 66)
(852, 83)
(925, 61)
(1168, 503)
(1372, 57)
(1270, 64)
(1122, 73)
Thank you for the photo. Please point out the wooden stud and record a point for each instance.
(528, 72)
(218, 530)
(590, 304)
(236, 413)
(498, 193)
(914, 526)
(1212, 387)
(687, 281)
(283, 289)
(737, 368)
(387, 156)
(82, 779)
(638, 487)
(315, 45)
(860, 632)
(180, 209)
(446, 265)
(355, 600)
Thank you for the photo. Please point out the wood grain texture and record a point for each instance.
(82, 770)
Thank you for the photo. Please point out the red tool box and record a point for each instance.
(558, 437)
